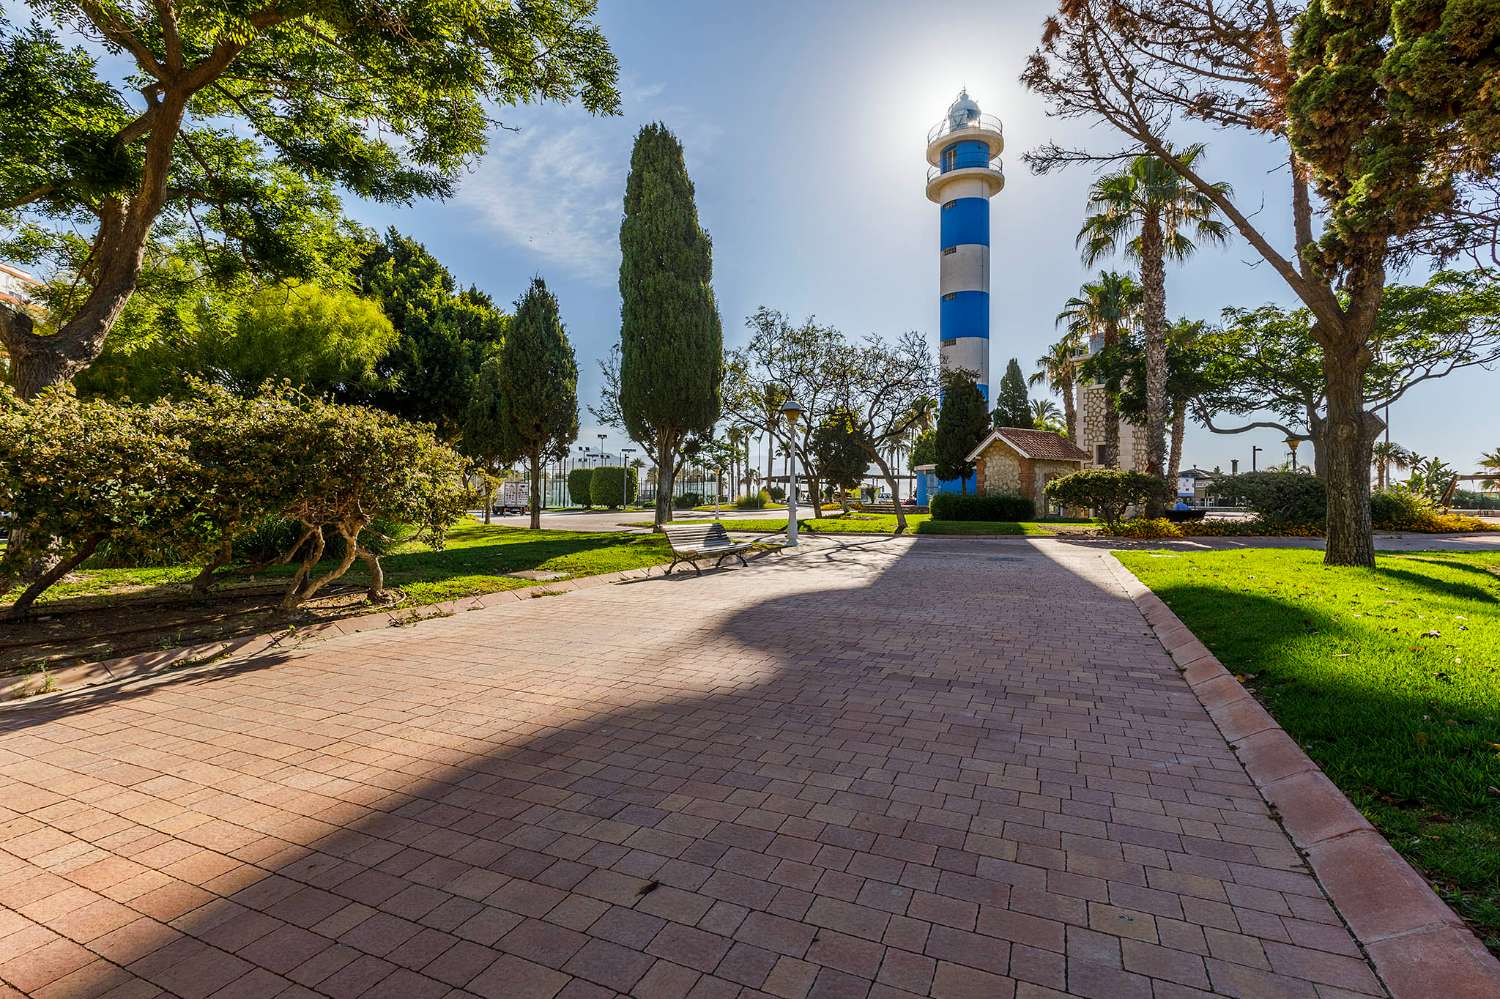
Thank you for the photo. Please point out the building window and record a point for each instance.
(950, 296)
(1099, 454)
(951, 342)
(950, 157)
(951, 249)
(949, 204)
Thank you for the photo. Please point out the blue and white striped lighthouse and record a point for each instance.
(965, 173)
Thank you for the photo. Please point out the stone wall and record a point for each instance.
(1000, 470)
(1091, 429)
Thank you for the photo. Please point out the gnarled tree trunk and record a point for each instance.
(56, 571)
(666, 478)
(534, 468)
(1349, 438)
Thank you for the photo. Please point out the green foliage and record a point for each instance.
(322, 340)
(612, 486)
(961, 424)
(1385, 676)
(924, 449)
(192, 475)
(777, 494)
(1108, 492)
(580, 486)
(756, 501)
(482, 430)
(671, 341)
(840, 457)
(1012, 405)
(1275, 498)
(1393, 111)
(687, 501)
(1400, 510)
(1429, 477)
(444, 336)
(991, 507)
(538, 378)
(257, 115)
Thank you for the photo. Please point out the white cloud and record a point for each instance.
(556, 187)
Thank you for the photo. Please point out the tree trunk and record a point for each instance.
(1179, 427)
(534, 461)
(1111, 409)
(1349, 438)
(489, 498)
(1070, 408)
(313, 557)
(351, 549)
(666, 476)
(376, 592)
(1154, 318)
(57, 571)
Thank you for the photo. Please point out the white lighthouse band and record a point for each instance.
(964, 173)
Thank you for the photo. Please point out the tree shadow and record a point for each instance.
(536, 780)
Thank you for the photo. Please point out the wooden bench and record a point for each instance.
(691, 542)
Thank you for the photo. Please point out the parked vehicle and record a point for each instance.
(513, 496)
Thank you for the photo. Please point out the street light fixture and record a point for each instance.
(1257, 449)
(792, 410)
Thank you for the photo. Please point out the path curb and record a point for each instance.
(1419, 946)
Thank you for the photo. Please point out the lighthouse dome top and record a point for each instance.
(963, 111)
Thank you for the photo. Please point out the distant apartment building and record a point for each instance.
(16, 286)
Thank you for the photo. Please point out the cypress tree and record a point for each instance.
(961, 425)
(671, 341)
(1012, 404)
(482, 430)
(538, 389)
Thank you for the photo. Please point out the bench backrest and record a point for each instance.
(697, 535)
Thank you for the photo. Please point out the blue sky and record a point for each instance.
(804, 127)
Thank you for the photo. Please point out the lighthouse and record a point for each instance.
(964, 173)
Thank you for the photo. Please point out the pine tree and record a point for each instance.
(1012, 405)
(538, 389)
(961, 425)
(482, 430)
(671, 341)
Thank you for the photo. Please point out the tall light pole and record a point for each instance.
(602, 455)
(1257, 449)
(792, 410)
(625, 453)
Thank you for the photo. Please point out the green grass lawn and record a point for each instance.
(885, 523)
(1389, 679)
(474, 560)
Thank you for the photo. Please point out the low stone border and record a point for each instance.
(15, 689)
(1419, 946)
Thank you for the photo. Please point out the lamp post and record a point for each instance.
(1257, 449)
(1291, 443)
(602, 455)
(792, 410)
(625, 453)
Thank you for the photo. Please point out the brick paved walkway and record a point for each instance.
(766, 779)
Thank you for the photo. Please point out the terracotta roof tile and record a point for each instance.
(1042, 444)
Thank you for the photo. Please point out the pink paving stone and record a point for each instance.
(1313, 809)
(700, 798)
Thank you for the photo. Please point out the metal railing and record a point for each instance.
(984, 123)
(996, 164)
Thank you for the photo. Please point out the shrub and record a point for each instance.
(192, 477)
(778, 494)
(1405, 510)
(956, 506)
(687, 501)
(1276, 498)
(754, 501)
(580, 486)
(609, 484)
(1149, 527)
(1106, 491)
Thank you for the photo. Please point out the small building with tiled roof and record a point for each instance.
(1020, 462)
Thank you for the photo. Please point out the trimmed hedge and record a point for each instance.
(580, 486)
(997, 506)
(754, 501)
(687, 501)
(608, 484)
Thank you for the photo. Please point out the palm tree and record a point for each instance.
(1058, 369)
(1490, 462)
(1153, 215)
(1386, 455)
(1045, 415)
(1107, 308)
